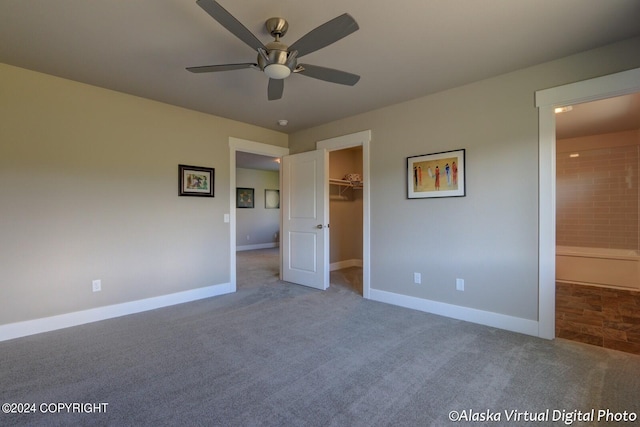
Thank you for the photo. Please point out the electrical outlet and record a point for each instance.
(417, 278)
(248, 238)
(459, 284)
(96, 285)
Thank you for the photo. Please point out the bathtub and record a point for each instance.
(619, 268)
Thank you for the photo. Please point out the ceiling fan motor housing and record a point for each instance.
(277, 53)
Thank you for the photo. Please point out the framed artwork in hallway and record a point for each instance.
(436, 175)
(244, 197)
(271, 199)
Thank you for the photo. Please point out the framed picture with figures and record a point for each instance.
(436, 175)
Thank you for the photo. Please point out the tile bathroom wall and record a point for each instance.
(597, 191)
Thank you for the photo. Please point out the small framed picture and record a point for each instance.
(195, 181)
(436, 175)
(244, 197)
(271, 199)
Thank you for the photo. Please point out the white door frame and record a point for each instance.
(617, 84)
(237, 144)
(357, 139)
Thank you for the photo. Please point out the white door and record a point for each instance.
(305, 212)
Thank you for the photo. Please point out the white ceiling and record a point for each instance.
(404, 49)
(621, 113)
(256, 161)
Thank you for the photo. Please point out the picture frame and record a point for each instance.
(272, 199)
(244, 197)
(196, 181)
(436, 175)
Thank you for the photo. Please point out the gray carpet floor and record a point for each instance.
(277, 354)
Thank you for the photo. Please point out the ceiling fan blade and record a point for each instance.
(225, 67)
(275, 89)
(326, 34)
(328, 74)
(228, 21)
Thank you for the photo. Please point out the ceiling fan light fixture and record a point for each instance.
(277, 71)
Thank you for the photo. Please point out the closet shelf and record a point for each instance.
(356, 185)
(341, 182)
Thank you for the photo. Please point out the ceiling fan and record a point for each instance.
(276, 59)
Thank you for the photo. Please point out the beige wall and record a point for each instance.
(88, 190)
(597, 191)
(490, 237)
(259, 224)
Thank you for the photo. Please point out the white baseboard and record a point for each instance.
(36, 326)
(487, 318)
(345, 264)
(258, 246)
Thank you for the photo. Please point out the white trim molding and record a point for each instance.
(617, 84)
(622, 83)
(345, 264)
(256, 246)
(52, 323)
(487, 318)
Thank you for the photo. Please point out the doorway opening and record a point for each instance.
(598, 222)
(250, 154)
(346, 219)
(257, 200)
(351, 153)
(547, 101)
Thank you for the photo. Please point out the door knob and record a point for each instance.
(319, 226)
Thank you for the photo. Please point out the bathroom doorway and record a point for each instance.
(546, 100)
(597, 222)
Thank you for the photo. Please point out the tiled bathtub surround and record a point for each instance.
(597, 191)
(604, 317)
